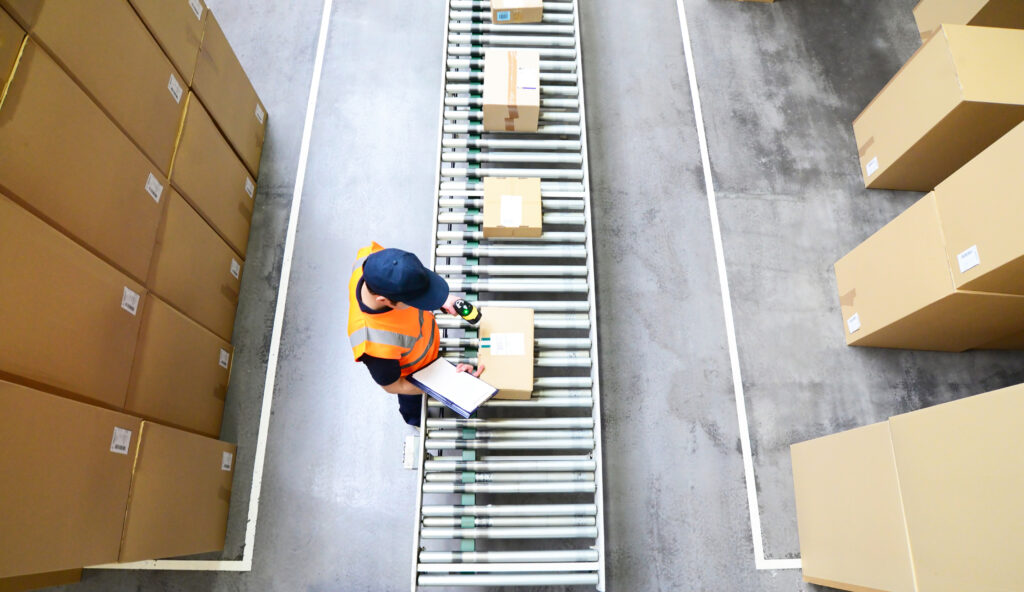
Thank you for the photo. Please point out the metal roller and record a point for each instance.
(497, 580)
(513, 510)
(567, 444)
(549, 29)
(508, 41)
(540, 532)
(516, 157)
(478, 128)
(514, 270)
(572, 145)
(511, 477)
(440, 464)
(513, 521)
(467, 15)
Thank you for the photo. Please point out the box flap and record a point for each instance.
(988, 62)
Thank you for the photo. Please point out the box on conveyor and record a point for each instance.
(959, 92)
(177, 25)
(512, 207)
(516, 11)
(932, 14)
(511, 100)
(506, 351)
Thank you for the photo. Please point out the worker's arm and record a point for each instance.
(402, 387)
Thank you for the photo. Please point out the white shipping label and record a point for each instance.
(225, 461)
(236, 268)
(154, 188)
(508, 344)
(250, 187)
(260, 113)
(121, 441)
(969, 259)
(871, 167)
(197, 8)
(853, 323)
(511, 211)
(130, 300)
(175, 87)
(225, 359)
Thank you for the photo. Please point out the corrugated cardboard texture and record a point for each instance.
(177, 25)
(192, 269)
(516, 11)
(181, 370)
(62, 314)
(511, 100)
(228, 95)
(64, 159)
(179, 495)
(11, 38)
(966, 90)
(849, 514)
(43, 580)
(531, 223)
(105, 47)
(512, 375)
(981, 207)
(209, 175)
(960, 471)
(65, 491)
(931, 14)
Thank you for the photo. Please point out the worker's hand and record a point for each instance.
(449, 305)
(469, 368)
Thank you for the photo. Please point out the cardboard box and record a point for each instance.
(504, 12)
(209, 175)
(70, 321)
(849, 512)
(959, 92)
(226, 92)
(512, 207)
(506, 351)
(110, 53)
(195, 270)
(177, 25)
(66, 470)
(11, 38)
(23, 11)
(960, 473)
(68, 163)
(181, 371)
(1015, 341)
(43, 580)
(180, 492)
(982, 214)
(932, 14)
(511, 90)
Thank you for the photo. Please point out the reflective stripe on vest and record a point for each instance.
(407, 342)
(430, 344)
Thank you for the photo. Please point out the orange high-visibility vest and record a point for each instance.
(409, 335)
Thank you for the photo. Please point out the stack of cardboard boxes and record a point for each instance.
(131, 140)
(945, 275)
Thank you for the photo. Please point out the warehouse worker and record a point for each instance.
(390, 324)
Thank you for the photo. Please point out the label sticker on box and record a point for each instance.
(853, 323)
(121, 441)
(130, 300)
(154, 188)
(225, 461)
(969, 259)
(872, 166)
(260, 113)
(508, 344)
(225, 359)
(511, 211)
(197, 8)
(250, 187)
(175, 87)
(504, 16)
(236, 268)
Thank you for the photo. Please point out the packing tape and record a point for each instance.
(513, 105)
(863, 149)
(220, 392)
(224, 494)
(925, 37)
(848, 298)
(230, 293)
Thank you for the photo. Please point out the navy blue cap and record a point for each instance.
(399, 276)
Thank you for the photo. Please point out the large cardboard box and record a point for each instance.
(932, 14)
(981, 207)
(849, 512)
(961, 473)
(506, 351)
(67, 162)
(105, 47)
(69, 321)
(959, 92)
(505, 12)
(65, 470)
(195, 270)
(512, 207)
(11, 38)
(896, 290)
(221, 83)
(511, 90)
(209, 175)
(180, 492)
(181, 370)
(43, 580)
(1015, 341)
(177, 25)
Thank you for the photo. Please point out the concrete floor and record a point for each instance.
(780, 85)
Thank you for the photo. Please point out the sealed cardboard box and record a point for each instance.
(1015, 341)
(932, 14)
(209, 175)
(965, 89)
(67, 162)
(226, 92)
(70, 321)
(982, 214)
(43, 580)
(849, 512)
(511, 101)
(105, 47)
(960, 473)
(177, 25)
(512, 207)
(896, 290)
(195, 270)
(516, 11)
(11, 38)
(66, 468)
(180, 374)
(180, 492)
(506, 351)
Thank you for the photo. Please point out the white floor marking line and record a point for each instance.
(737, 380)
(245, 564)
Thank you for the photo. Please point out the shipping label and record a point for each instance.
(871, 167)
(225, 461)
(197, 8)
(175, 87)
(130, 300)
(236, 269)
(121, 441)
(225, 359)
(250, 187)
(511, 211)
(260, 113)
(508, 344)
(853, 323)
(154, 188)
(969, 259)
